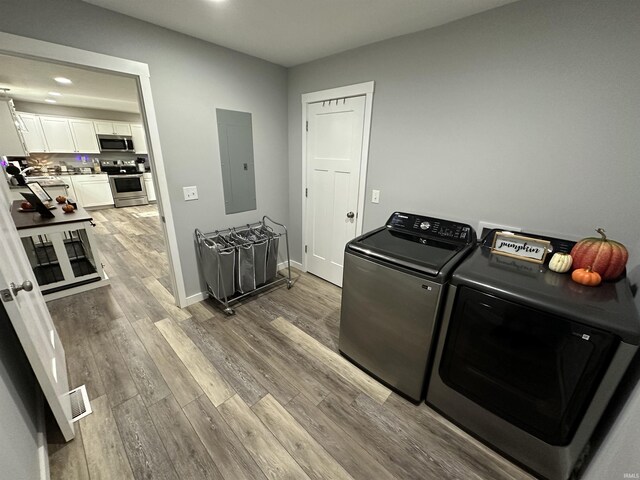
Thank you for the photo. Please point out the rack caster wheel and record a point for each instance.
(229, 311)
(289, 284)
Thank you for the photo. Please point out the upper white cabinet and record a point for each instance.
(33, 136)
(84, 136)
(11, 141)
(112, 128)
(139, 139)
(57, 133)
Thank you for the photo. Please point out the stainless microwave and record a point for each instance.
(115, 143)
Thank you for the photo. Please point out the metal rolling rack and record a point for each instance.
(241, 261)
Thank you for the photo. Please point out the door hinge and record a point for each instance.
(7, 297)
(306, 192)
(305, 249)
(307, 125)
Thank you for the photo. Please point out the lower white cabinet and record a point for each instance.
(92, 190)
(148, 185)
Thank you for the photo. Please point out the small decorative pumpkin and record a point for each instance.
(604, 256)
(586, 276)
(68, 208)
(560, 262)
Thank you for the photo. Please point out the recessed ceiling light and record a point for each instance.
(50, 100)
(63, 80)
(55, 94)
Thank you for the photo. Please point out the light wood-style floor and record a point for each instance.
(194, 394)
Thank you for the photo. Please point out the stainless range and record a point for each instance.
(127, 184)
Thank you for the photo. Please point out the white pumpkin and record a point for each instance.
(560, 262)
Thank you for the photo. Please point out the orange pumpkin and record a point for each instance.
(586, 276)
(604, 256)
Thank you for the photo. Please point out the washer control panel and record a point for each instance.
(432, 227)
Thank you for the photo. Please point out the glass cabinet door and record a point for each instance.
(61, 258)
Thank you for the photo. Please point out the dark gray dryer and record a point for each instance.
(527, 359)
(394, 280)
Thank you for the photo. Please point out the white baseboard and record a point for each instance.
(198, 297)
(294, 264)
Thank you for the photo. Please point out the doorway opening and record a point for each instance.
(114, 93)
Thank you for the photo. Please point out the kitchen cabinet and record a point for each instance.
(92, 190)
(57, 134)
(84, 136)
(69, 135)
(11, 141)
(112, 128)
(139, 139)
(148, 185)
(33, 136)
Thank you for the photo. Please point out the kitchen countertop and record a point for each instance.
(43, 183)
(24, 220)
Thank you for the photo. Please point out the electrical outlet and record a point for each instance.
(375, 196)
(190, 193)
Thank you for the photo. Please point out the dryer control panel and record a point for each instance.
(432, 227)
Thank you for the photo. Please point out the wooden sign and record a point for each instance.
(516, 246)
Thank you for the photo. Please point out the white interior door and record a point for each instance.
(334, 151)
(32, 322)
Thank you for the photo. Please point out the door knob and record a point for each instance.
(351, 215)
(27, 286)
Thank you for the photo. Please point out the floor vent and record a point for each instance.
(80, 406)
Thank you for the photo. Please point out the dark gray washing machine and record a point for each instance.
(527, 359)
(393, 285)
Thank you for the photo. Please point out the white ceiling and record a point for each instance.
(291, 32)
(285, 32)
(30, 81)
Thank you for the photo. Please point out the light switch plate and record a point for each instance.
(375, 196)
(190, 193)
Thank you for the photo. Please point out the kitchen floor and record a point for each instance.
(194, 394)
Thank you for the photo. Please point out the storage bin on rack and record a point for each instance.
(259, 244)
(272, 252)
(238, 262)
(218, 260)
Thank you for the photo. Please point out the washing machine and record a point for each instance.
(393, 283)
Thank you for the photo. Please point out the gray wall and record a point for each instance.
(18, 408)
(189, 80)
(525, 115)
